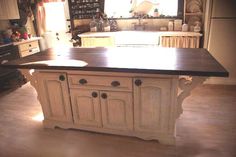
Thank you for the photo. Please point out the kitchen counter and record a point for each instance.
(21, 42)
(157, 33)
(125, 91)
(196, 62)
(27, 41)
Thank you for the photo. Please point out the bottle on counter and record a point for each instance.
(106, 24)
(170, 26)
(93, 25)
(197, 27)
(184, 27)
(113, 25)
(100, 25)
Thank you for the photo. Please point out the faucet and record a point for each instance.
(140, 25)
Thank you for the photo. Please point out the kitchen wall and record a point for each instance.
(128, 24)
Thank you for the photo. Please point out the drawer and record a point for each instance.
(28, 46)
(29, 52)
(100, 82)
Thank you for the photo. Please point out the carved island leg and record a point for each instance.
(186, 85)
(30, 75)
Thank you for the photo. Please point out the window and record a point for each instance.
(130, 8)
(55, 16)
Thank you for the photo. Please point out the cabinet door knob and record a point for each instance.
(30, 45)
(138, 82)
(115, 83)
(83, 81)
(104, 95)
(62, 78)
(94, 94)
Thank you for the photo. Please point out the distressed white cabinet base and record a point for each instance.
(130, 104)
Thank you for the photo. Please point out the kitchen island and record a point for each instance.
(125, 91)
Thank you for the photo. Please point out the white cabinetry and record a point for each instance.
(54, 97)
(152, 103)
(123, 104)
(104, 102)
(28, 47)
(97, 42)
(9, 9)
(117, 110)
(86, 107)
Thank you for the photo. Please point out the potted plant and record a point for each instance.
(156, 13)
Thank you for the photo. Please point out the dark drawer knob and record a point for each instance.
(62, 78)
(83, 81)
(30, 50)
(104, 95)
(138, 82)
(94, 94)
(115, 83)
(30, 45)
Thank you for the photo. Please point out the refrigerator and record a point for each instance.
(222, 37)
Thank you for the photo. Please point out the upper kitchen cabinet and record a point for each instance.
(9, 9)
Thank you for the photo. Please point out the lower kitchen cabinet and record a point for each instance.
(126, 105)
(106, 109)
(117, 110)
(152, 99)
(54, 96)
(97, 42)
(86, 107)
(28, 47)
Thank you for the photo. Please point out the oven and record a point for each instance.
(7, 76)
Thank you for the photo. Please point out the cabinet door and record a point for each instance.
(9, 9)
(3, 11)
(117, 110)
(97, 42)
(54, 97)
(12, 9)
(151, 104)
(86, 107)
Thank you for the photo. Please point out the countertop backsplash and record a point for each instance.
(128, 24)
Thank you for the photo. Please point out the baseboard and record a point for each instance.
(221, 80)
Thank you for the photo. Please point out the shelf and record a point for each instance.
(82, 9)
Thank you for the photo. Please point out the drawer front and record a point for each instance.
(28, 46)
(100, 82)
(29, 52)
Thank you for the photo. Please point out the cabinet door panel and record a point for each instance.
(152, 104)
(9, 9)
(117, 110)
(3, 10)
(54, 97)
(12, 9)
(86, 108)
(97, 42)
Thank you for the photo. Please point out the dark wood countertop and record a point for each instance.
(171, 61)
